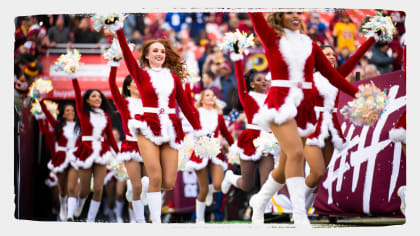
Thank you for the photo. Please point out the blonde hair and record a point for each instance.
(275, 20)
(199, 102)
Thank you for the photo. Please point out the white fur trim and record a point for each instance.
(266, 115)
(51, 183)
(135, 106)
(40, 116)
(72, 75)
(114, 63)
(326, 90)
(310, 128)
(236, 57)
(108, 177)
(127, 156)
(254, 157)
(327, 127)
(258, 97)
(98, 121)
(191, 165)
(209, 119)
(95, 158)
(398, 135)
(217, 161)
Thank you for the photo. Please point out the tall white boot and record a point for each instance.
(309, 197)
(63, 207)
(138, 209)
(118, 211)
(144, 188)
(200, 208)
(132, 215)
(259, 201)
(93, 210)
(229, 180)
(79, 207)
(209, 197)
(155, 206)
(71, 206)
(296, 187)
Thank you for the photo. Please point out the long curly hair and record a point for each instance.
(61, 121)
(173, 60)
(275, 20)
(105, 106)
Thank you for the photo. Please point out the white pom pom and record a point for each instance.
(236, 57)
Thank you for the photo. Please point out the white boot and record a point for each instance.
(131, 215)
(71, 206)
(309, 197)
(118, 211)
(296, 187)
(155, 206)
(259, 201)
(200, 208)
(144, 188)
(209, 197)
(401, 193)
(138, 209)
(228, 180)
(63, 207)
(79, 207)
(93, 210)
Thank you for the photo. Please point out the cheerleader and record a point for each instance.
(66, 132)
(328, 135)
(251, 91)
(158, 129)
(213, 123)
(288, 108)
(129, 105)
(94, 151)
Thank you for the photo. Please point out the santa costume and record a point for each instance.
(291, 59)
(159, 89)
(326, 102)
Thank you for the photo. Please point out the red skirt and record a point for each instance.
(129, 151)
(197, 163)
(90, 152)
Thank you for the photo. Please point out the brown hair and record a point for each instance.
(173, 60)
(275, 20)
(199, 102)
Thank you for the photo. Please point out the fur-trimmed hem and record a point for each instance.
(398, 135)
(256, 156)
(192, 165)
(217, 161)
(51, 183)
(108, 177)
(266, 115)
(63, 166)
(310, 128)
(95, 158)
(127, 156)
(327, 127)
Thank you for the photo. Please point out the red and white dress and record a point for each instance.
(128, 107)
(159, 89)
(251, 102)
(326, 102)
(64, 146)
(292, 59)
(93, 148)
(399, 132)
(212, 123)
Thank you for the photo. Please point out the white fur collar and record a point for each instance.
(163, 83)
(208, 119)
(69, 134)
(295, 49)
(325, 89)
(258, 97)
(135, 106)
(98, 121)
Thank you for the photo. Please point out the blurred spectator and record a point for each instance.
(196, 23)
(30, 71)
(314, 21)
(129, 26)
(396, 48)
(84, 33)
(245, 25)
(21, 86)
(136, 38)
(176, 20)
(209, 49)
(22, 29)
(313, 34)
(345, 31)
(58, 33)
(382, 57)
(208, 81)
(370, 71)
(33, 33)
(343, 55)
(228, 85)
(233, 22)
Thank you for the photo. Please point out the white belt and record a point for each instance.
(324, 109)
(93, 139)
(252, 126)
(130, 138)
(64, 149)
(159, 110)
(288, 83)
